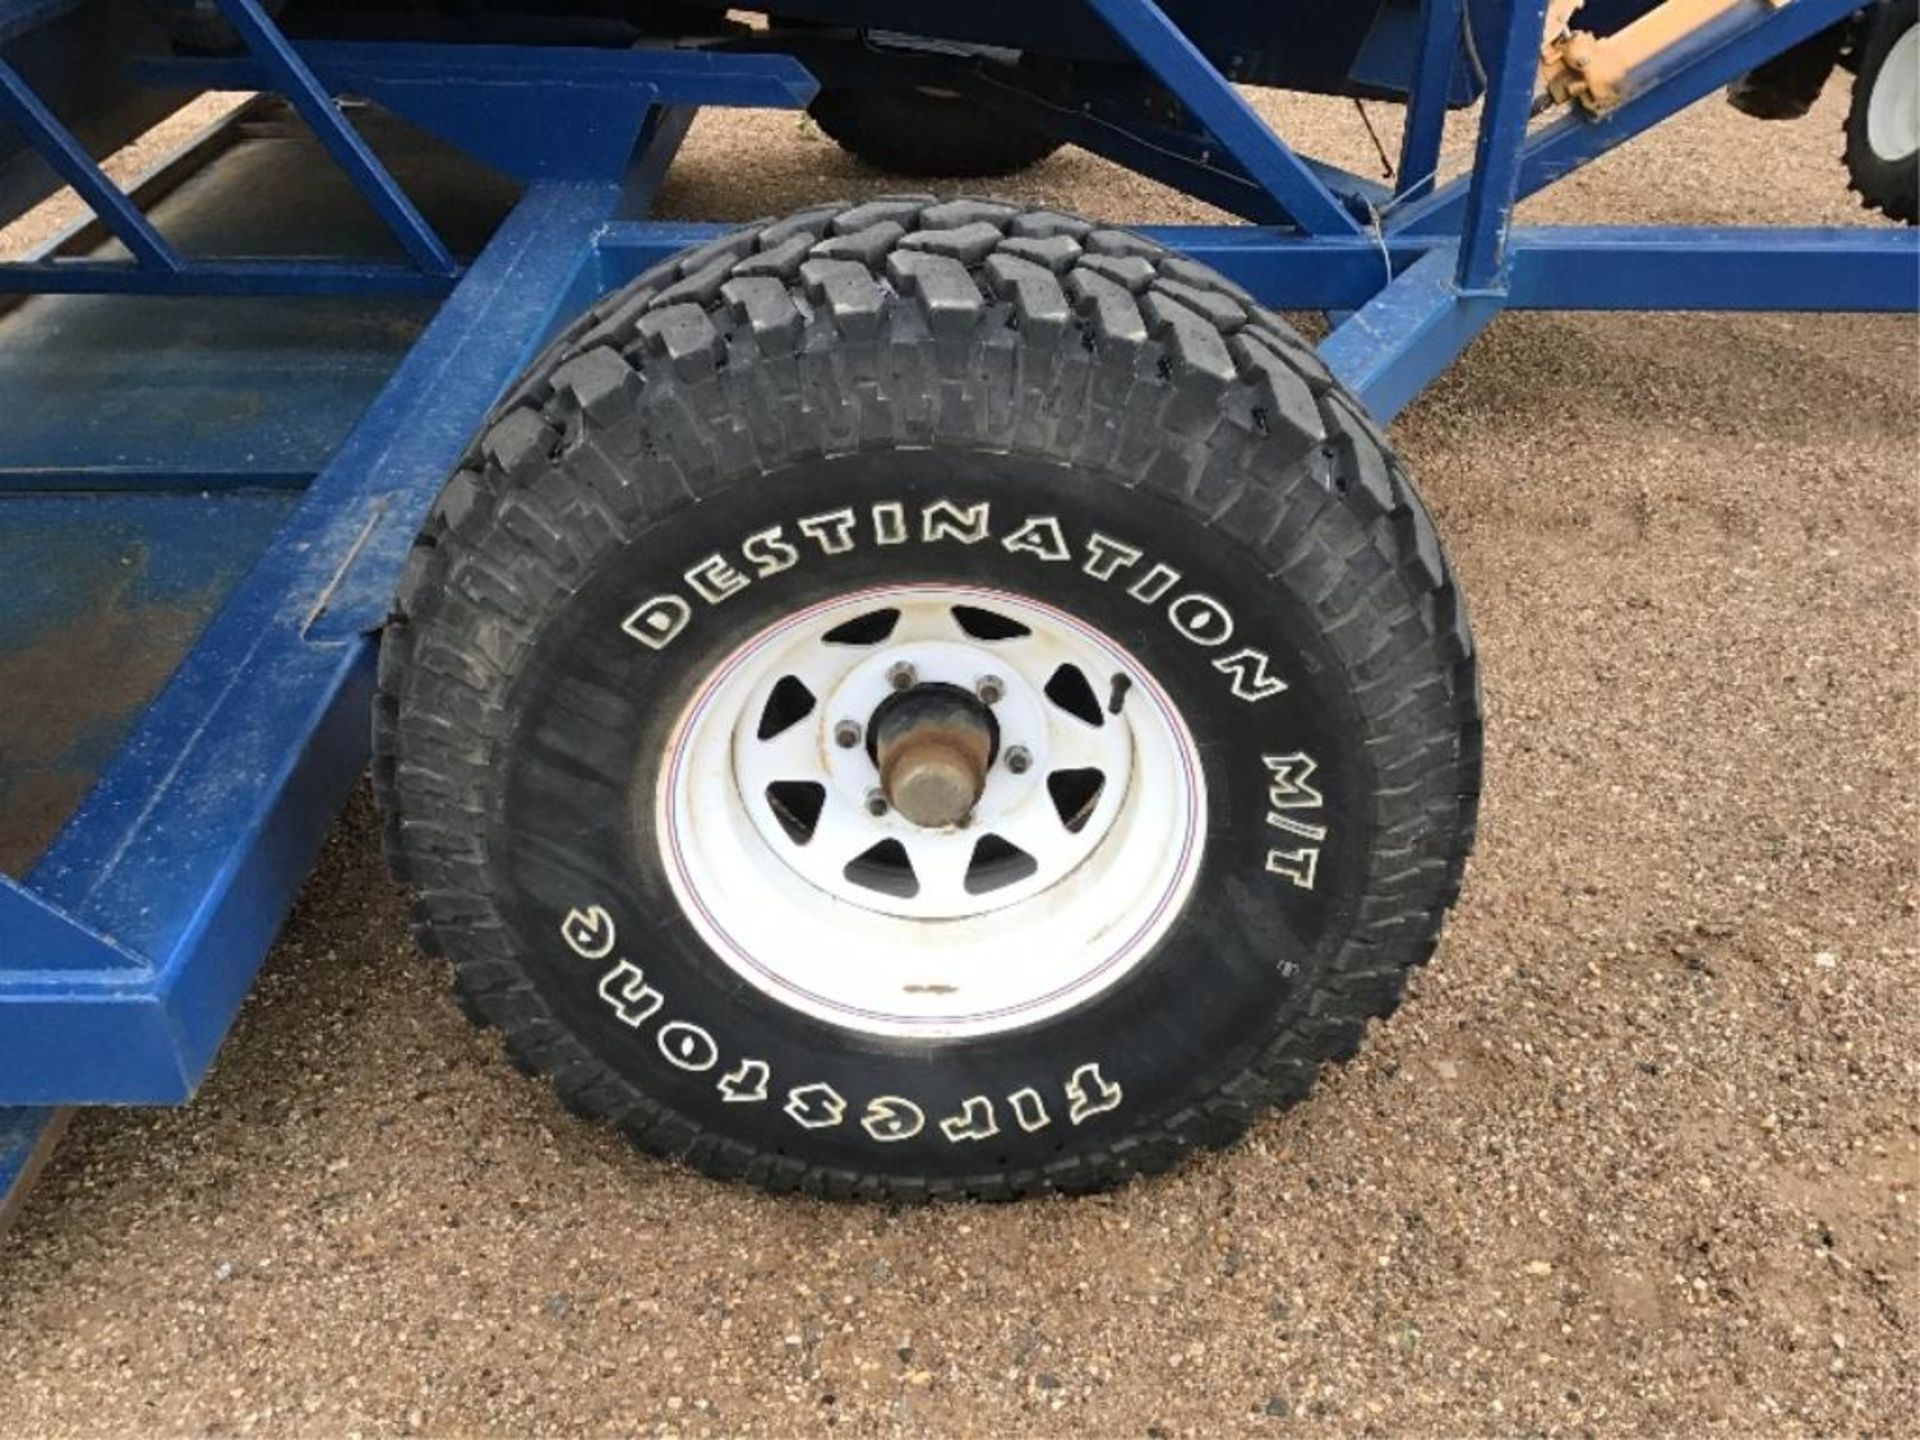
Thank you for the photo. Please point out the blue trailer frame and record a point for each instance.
(126, 950)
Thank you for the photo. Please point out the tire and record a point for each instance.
(197, 27)
(916, 401)
(927, 135)
(1883, 158)
(1785, 87)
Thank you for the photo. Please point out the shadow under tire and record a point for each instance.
(1883, 120)
(1009, 445)
(923, 135)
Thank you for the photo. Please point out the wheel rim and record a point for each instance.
(1893, 109)
(1077, 854)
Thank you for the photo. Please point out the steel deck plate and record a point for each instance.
(100, 596)
(218, 411)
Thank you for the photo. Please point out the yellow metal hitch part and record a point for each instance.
(1592, 71)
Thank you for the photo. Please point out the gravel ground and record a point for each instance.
(1639, 1155)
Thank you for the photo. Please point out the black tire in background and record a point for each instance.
(198, 27)
(926, 134)
(1785, 87)
(893, 356)
(1889, 183)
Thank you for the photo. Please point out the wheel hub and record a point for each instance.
(933, 745)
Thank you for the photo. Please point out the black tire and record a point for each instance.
(1785, 87)
(927, 135)
(902, 350)
(1884, 182)
(198, 27)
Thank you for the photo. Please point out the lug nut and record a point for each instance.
(847, 734)
(876, 802)
(901, 676)
(990, 689)
(1018, 760)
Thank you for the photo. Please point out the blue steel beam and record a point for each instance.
(1426, 116)
(1163, 49)
(666, 129)
(534, 113)
(288, 74)
(1853, 268)
(132, 479)
(73, 164)
(1390, 349)
(1495, 182)
(1553, 268)
(1695, 70)
(222, 277)
(675, 77)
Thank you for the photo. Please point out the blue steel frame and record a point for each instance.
(127, 949)
(130, 945)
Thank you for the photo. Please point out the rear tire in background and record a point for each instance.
(927, 134)
(803, 533)
(1883, 122)
(199, 27)
(1785, 87)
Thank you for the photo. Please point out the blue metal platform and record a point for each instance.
(154, 448)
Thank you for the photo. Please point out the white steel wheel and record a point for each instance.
(1893, 103)
(809, 879)
(1883, 122)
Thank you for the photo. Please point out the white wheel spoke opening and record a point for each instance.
(1040, 870)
